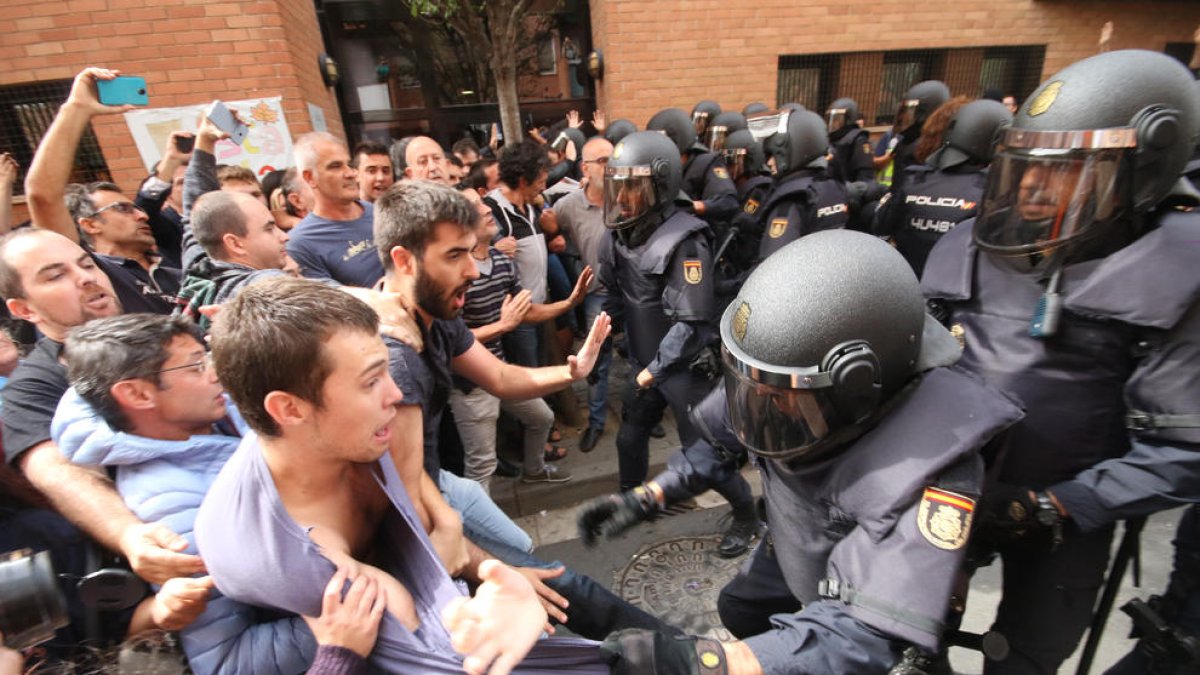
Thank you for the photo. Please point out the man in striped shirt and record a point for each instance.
(495, 305)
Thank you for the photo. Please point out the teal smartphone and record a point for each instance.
(123, 89)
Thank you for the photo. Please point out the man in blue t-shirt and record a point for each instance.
(334, 239)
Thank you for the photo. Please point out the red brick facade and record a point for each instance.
(676, 52)
(189, 51)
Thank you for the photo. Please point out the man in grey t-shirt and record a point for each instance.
(334, 241)
(581, 218)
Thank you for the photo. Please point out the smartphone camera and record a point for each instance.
(185, 143)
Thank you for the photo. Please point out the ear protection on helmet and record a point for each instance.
(856, 377)
(1158, 129)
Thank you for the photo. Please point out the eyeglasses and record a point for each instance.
(598, 160)
(199, 367)
(127, 208)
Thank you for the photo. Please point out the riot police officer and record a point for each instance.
(1168, 625)
(721, 126)
(705, 178)
(657, 267)
(853, 158)
(1078, 291)
(868, 445)
(947, 188)
(618, 129)
(703, 115)
(918, 104)
(737, 249)
(754, 108)
(804, 198)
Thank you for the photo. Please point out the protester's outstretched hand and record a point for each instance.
(598, 121)
(582, 363)
(573, 120)
(351, 621)
(180, 601)
(582, 285)
(155, 553)
(497, 627)
(552, 602)
(85, 97)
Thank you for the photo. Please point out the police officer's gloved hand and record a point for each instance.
(635, 651)
(613, 514)
(1016, 509)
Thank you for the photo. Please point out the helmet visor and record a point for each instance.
(700, 122)
(767, 124)
(628, 195)
(772, 421)
(735, 160)
(716, 137)
(906, 116)
(837, 119)
(1048, 189)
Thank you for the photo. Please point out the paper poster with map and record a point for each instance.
(268, 146)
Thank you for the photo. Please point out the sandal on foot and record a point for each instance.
(553, 453)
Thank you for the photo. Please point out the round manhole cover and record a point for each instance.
(678, 581)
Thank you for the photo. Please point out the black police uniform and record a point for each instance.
(870, 541)
(803, 202)
(662, 292)
(853, 156)
(1169, 624)
(927, 205)
(1111, 426)
(706, 179)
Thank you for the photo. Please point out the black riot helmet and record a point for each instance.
(972, 134)
(721, 126)
(842, 112)
(794, 107)
(918, 104)
(702, 116)
(803, 371)
(1101, 141)
(641, 180)
(795, 140)
(618, 129)
(675, 124)
(744, 155)
(754, 108)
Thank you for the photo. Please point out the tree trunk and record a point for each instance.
(504, 70)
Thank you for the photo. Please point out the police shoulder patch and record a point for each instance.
(693, 271)
(778, 227)
(867, 149)
(944, 518)
(751, 206)
(720, 172)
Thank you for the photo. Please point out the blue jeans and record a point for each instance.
(598, 392)
(522, 345)
(482, 519)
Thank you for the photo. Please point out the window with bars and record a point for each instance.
(877, 80)
(26, 111)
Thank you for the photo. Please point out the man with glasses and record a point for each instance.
(97, 215)
(145, 399)
(424, 159)
(581, 218)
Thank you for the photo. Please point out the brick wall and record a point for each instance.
(676, 52)
(189, 51)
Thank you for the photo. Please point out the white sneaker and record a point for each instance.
(548, 474)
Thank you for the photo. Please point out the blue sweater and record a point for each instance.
(164, 482)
